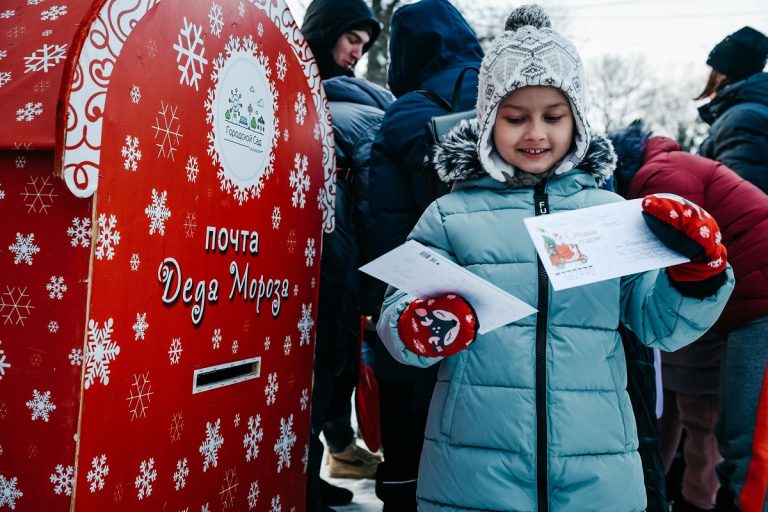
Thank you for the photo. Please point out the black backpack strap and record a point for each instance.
(457, 87)
(429, 93)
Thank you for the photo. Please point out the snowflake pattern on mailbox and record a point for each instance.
(164, 232)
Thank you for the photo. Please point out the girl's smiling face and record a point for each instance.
(534, 128)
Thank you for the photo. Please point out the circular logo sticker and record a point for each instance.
(242, 113)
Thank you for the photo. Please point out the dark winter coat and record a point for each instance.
(741, 211)
(739, 134)
(430, 44)
(357, 108)
(480, 449)
(326, 20)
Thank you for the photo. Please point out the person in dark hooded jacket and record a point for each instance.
(430, 44)
(339, 32)
(738, 110)
(733, 370)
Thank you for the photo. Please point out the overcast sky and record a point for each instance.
(673, 35)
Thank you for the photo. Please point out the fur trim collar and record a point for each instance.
(456, 158)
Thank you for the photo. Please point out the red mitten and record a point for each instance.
(438, 327)
(688, 229)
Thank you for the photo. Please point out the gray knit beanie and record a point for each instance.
(529, 53)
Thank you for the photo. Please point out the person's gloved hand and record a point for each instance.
(438, 327)
(688, 229)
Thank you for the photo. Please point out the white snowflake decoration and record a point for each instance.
(216, 20)
(260, 29)
(282, 66)
(9, 493)
(135, 94)
(21, 162)
(305, 457)
(131, 153)
(38, 194)
(305, 324)
(287, 345)
(304, 400)
(45, 58)
(253, 495)
(62, 479)
(3, 364)
(97, 474)
(75, 357)
(236, 421)
(53, 327)
(167, 126)
(284, 443)
(17, 306)
(229, 488)
(216, 338)
(174, 352)
(24, 248)
(5, 77)
(299, 181)
(40, 405)
(157, 212)
(140, 395)
(181, 474)
(309, 252)
(99, 351)
(241, 9)
(7, 14)
(56, 288)
(253, 437)
(210, 447)
(276, 506)
(267, 342)
(147, 475)
(80, 232)
(276, 217)
(191, 57)
(192, 169)
(300, 108)
(54, 13)
(134, 262)
(270, 390)
(235, 346)
(140, 327)
(108, 238)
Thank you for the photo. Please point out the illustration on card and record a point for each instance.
(241, 110)
(560, 251)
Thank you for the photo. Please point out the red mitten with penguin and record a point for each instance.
(688, 229)
(438, 327)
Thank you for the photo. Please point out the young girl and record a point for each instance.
(534, 415)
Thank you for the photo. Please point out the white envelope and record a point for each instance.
(600, 242)
(421, 272)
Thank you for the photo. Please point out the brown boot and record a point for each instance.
(353, 462)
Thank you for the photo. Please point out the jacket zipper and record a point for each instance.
(541, 207)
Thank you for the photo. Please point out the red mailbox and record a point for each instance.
(166, 174)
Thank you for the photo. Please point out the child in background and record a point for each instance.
(535, 415)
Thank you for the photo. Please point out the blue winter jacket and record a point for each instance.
(738, 137)
(430, 44)
(480, 451)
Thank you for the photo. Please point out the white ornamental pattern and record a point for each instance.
(175, 350)
(56, 288)
(24, 249)
(96, 476)
(270, 390)
(210, 447)
(40, 405)
(146, 477)
(190, 58)
(157, 212)
(131, 153)
(253, 437)
(140, 327)
(46, 57)
(80, 232)
(3, 364)
(15, 305)
(181, 474)
(299, 181)
(99, 352)
(305, 324)
(109, 237)
(62, 479)
(38, 194)
(167, 128)
(285, 443)
(9, 492)
(216, 19)
(140, 395)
